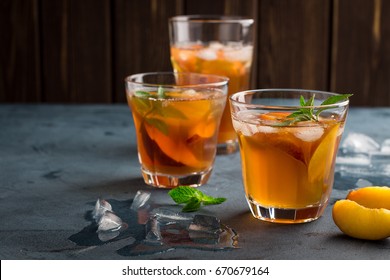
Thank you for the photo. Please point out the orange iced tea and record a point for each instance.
(287, 153)
(233, 61)
(176, 134)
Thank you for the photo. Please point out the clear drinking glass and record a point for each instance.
(220, 45)
(176, 117)
(287, 167)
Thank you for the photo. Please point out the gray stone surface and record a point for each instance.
(57, 160)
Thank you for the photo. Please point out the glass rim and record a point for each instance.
(285, 107)
(212, 19)
(223, 81)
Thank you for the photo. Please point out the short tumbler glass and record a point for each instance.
(287, 167)
(176, 118)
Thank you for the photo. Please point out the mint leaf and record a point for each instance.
(183, 194)
(308, 114)
(193, 198)
(214, 200)
(192, 205)
(141, 93)
(159, 124)
(332, 100)
(336, 98)
(161, 92)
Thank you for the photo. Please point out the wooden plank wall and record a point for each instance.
(79, 51)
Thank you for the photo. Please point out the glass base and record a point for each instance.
(286, 215)
(229, 147)
(172, 181)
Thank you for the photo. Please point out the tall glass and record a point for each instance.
(287, 166)
(176, 117)
(220, 45)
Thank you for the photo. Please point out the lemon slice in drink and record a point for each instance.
(320, 164)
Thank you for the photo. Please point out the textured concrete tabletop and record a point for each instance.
(56, 161)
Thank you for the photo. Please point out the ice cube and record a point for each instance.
(215, 45)
(309, 134)
(380, 158)
(109, 222)
(143, 215)
(359, 143)
(204, 223)
(208, 54)
(363, 183)
(108, 235)
(242, 54)
(167, 216)
(204, 237)
(244, 128)
(153, 233)
(101, 207)
(353, 160)
(189, 92)
(383, 171)
(385, 147)
(249, 129)
(140, 199)
(266, 129)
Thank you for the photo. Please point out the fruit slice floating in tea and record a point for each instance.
(320, 163)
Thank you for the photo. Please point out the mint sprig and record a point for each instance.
(307, 112)
(193, 198)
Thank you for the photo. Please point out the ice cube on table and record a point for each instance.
(309, 134)
(101, 207)
(359, 143)
(205, 223)
(361, 183)
(109, 222)
(108, 235)
(153, 232)
(380, 158)
(168, 216)
(385, 147)
(140, 199)
(353, 160)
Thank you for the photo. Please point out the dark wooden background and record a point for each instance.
(79, 51)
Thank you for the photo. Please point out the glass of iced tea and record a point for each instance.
(288, 142)
(176, 117)
(220, 45)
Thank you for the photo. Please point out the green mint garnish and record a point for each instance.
(308, 114)
(141, 93)
(193, 198)
(161, 92)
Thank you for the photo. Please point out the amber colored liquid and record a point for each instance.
(177, 135)
(221, 61)
(287, 167)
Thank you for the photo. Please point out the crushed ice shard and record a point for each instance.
(153, 232)
(109, 221)
(168, 216)
(140, 200)
(205, 223)
(101, 207)
(359, 143)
